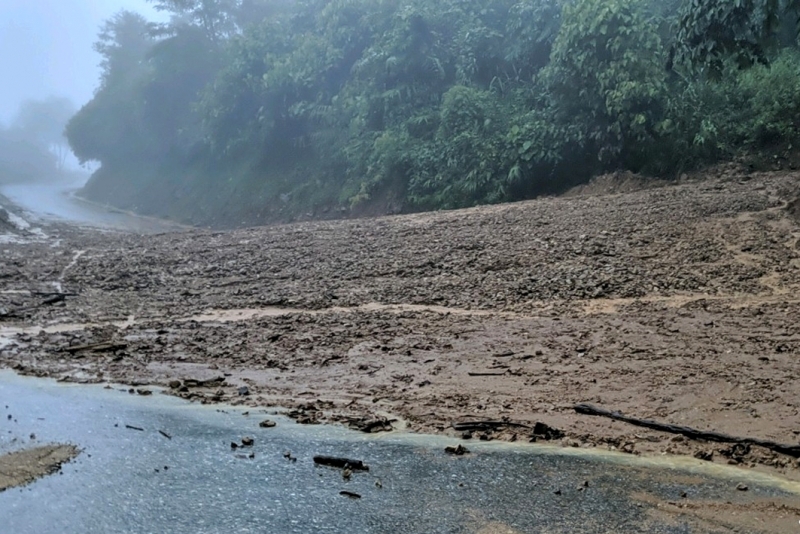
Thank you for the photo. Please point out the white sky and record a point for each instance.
(46, 48)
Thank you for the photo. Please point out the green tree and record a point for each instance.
(711, 31)
(606, 77)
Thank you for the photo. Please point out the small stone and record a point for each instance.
(741, 486)
(684, 495)
(247, 441)
(144, 392)
(234, 445)
(546, 432)
(174, 384)
(704, 455)
(459, 450)
(466, 435)
(346, 474)
(243, 391)
(557, 492)
(266, 423)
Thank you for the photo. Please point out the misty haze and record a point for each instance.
(500, 266)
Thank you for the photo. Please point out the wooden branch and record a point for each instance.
(103, 346)
(342, 463)
(483, 425)
(693, 433)
(52, 294)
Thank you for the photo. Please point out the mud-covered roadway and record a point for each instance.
(674, 302)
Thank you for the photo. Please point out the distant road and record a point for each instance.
(57, 201)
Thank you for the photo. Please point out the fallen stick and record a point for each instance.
(481, 425)
(134, 428)
(164, 434)
(693, 433)
(487, 374)
(58, 297)
(53, 299)
(96, 347)
(52, 294)
(333, 461)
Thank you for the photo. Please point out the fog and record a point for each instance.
(46, 48)
(249, 111)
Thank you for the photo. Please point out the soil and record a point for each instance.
(676, 302)
(23, 467)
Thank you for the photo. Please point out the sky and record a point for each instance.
(46, 48)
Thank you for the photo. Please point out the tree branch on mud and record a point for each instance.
(588, 409)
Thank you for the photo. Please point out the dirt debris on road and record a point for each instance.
(677, 303)
(22, 467)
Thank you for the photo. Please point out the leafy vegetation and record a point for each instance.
(256, 110)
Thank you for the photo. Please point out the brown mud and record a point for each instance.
(23, 467)
(677, 303)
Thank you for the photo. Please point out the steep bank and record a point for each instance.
(225, 200)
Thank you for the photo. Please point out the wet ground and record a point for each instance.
(130, 477)
(676, 303)
(58, 201)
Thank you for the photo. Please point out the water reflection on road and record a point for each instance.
(131, 480)
(56, 200)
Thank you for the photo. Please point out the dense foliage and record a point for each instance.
(264, 109)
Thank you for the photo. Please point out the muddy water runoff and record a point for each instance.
(129, 480)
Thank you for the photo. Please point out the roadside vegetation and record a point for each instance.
(258, 110)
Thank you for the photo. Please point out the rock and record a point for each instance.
(342, 463)
(546, 432)
(458, 450)
(234, 445)
(247, 441)
(741, 486)
(144, 392)
(346, 474)
(369, 426)
(466, 435)
(243, 391)
(266, 423)
(174, 384)
(704, 455)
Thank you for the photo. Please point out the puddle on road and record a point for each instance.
(140, 481)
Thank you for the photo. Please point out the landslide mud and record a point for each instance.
(23, 467)
(677, 303)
